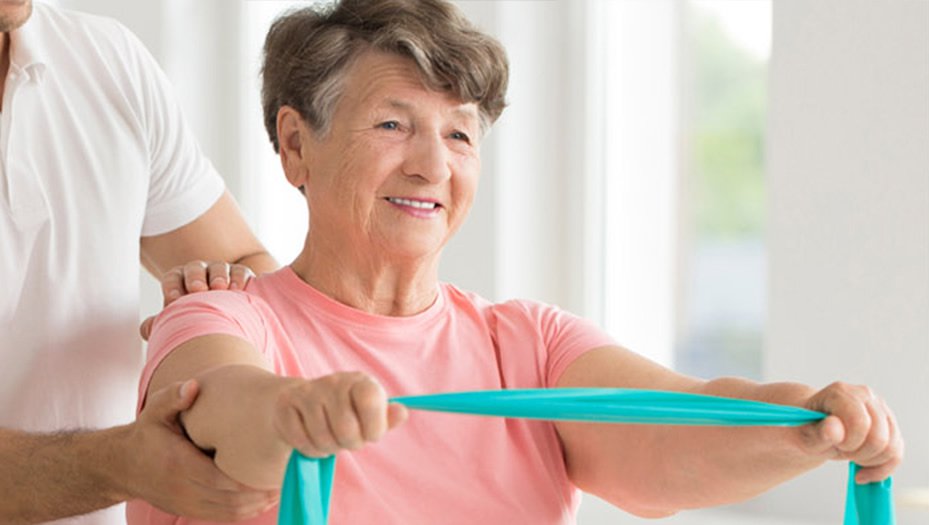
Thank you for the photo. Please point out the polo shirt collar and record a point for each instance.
(26, 49)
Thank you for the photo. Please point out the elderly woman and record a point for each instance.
(377, 109)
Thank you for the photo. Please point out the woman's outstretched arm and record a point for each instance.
(252, 418)
(655, 471)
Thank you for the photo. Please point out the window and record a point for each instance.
(683, 122)
(277, 208)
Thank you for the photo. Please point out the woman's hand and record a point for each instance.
(860, 428)
(339, 411)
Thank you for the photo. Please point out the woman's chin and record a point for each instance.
(413, 248)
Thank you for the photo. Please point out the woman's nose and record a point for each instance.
(428, 159)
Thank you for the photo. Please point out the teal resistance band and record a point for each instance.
(308, 482)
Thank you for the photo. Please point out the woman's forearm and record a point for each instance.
(720, 465)
(233, 417)
(657, 470)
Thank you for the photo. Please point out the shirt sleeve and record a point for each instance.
(567, 337)
(200, 314)
(183, 183)
(536, 342)
(564, 337)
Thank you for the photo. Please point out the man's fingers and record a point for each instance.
(187, 393)
(145, 330)
(235, 506)
(172, 285)
(239, 275)
(224, 498)
(213, 484)
(176, 476)
(195, 278)
(218, 275)
(165, 404)
(199, 276)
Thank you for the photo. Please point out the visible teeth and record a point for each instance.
(415, 204)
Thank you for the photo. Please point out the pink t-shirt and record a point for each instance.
(436, 468)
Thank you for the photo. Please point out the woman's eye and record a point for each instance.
(457, 135)
(390, 124)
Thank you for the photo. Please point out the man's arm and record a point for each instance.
(66, 474)
(654, 471)
(50, 476)
(220, 234)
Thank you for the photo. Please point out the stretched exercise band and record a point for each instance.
(308, 482)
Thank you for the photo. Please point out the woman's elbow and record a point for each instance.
(630, 495)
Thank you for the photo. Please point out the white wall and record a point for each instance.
(514, 243)
(848, 234)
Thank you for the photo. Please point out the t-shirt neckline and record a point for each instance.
(307, 294)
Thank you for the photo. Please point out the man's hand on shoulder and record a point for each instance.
(198, 276)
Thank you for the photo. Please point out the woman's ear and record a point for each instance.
(293, 136)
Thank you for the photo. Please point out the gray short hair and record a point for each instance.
(308, 51)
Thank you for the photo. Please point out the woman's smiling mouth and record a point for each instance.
(416, 207)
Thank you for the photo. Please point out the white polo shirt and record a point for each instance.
(94, 153)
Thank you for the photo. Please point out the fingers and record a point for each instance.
(170, 472)
(199, 276)
(209, 493)
(165, 404)
(860, 428)
(195, 276)
(397, 414)
(218, 275)
(172, 285)
(335, 412)
(181, 280)
(231, 506)
(145, 330)
(292, 427)
(875, 439)
(884, 461)
(369, 402)
(239, 275)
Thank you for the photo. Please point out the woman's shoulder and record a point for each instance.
(510, 308)
(252, 301)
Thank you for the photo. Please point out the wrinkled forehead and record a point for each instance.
(391, 81)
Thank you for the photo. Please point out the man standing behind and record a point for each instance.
(97, 166)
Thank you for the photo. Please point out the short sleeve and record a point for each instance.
(183, 183)
(567, 337)
(200, 314)
(537, 342)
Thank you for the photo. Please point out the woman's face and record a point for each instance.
(399, 167)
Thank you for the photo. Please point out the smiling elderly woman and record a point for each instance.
(377, 109)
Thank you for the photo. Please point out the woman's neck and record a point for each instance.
(367, 282)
